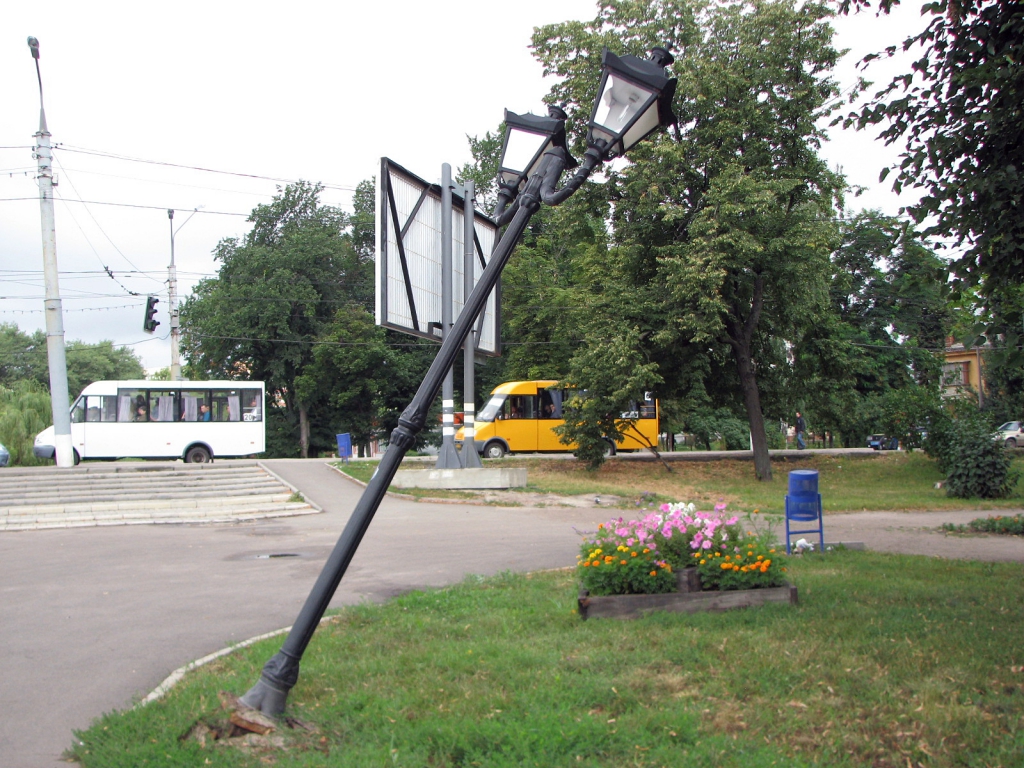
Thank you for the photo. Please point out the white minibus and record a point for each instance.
(190, 420)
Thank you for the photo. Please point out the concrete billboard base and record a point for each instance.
(454, 479)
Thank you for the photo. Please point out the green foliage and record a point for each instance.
(1011, 525)
(610, 568)
(958, 114)
(23, 357)
(709, 248)
(24, 413)
(977, 465)
(301, 279)
(906, 410)
(611, 377)
(751, 564)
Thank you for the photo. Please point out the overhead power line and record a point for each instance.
(126, 158)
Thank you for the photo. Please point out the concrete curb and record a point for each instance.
(175, 677)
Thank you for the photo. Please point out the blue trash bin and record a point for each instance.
(344, 446)
(803, 505)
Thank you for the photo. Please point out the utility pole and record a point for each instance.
(172, 295)
(59, 400)
(172, 291)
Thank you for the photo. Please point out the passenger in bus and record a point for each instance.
(204, 412)
(141, 414)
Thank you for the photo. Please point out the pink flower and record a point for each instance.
(667, 531)
(706, 544)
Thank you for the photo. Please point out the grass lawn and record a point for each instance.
(888, 481)
(888, 661)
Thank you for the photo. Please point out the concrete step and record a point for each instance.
(132, 493)
(158, 491)
(224, 514)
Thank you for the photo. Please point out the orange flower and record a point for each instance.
(622, 562)
(654, 573)
(632, 554)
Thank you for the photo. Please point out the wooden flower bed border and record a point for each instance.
(688, 599)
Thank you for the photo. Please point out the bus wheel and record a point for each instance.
(197, 455)
(609, 449)
(494, 450)
(78, 459)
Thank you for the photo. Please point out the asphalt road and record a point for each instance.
(93, 619)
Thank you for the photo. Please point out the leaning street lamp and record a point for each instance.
(534, 157)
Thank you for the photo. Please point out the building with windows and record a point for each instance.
(963, 370)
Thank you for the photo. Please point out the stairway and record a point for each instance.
(132, 493)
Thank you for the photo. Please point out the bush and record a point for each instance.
(976, 465)
(24, 413)
(1008, 526)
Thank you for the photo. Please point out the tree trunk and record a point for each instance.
(752, 399)
(741, 339)
(303, 432)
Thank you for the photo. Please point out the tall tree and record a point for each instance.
(277, 290)
(958, 113)
(730, 222)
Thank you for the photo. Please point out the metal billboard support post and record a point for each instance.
(470, 458)
(447, 455)
(639, 90)
(64, 453)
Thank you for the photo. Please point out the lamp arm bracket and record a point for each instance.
(591, 159)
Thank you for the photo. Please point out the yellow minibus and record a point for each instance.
(521, 416)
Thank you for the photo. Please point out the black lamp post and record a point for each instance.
(533, 159)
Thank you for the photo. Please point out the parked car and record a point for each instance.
(1010, 434)
(5, 456)
(883, 443)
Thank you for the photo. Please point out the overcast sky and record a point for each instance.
(311, 90)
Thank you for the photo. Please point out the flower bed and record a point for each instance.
(634, 566)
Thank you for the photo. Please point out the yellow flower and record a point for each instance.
(750, 554)
(703, 561)
(760, 557)
(718, 554)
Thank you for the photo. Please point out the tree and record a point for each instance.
(23, 357)
(959, 113)
(729, 225)
(277, 290)
(885, 329)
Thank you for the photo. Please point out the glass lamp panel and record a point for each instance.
(646, 122)
(521, 149)
(620, 102)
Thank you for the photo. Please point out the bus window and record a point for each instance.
(108, 409)
(252, 408)
(550, 404)
(161, 405)
(227, 405)
(195, 405)
(94, 407)
(520, 407)
(492, 409)
(78, 411)
(132, 405)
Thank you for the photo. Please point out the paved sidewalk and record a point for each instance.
(93, 619)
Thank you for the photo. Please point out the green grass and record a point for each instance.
(887, 481)
(887, 661)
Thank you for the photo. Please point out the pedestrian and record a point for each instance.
(801, 427)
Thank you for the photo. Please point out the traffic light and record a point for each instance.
(150, 323)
